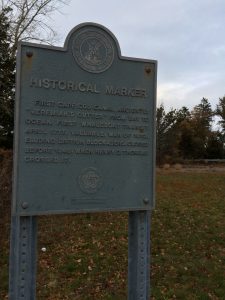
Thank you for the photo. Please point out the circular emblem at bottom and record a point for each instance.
(90, 180)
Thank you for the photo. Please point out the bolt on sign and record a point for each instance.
(84, 142)
(84, 137)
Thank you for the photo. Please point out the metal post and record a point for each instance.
(139, 255)
(22, 269)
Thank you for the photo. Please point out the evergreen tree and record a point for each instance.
(168, 132)
(201, 116)
(220, 111)
(215, 148)
(7, 82)
(164, 122)
(187, 139)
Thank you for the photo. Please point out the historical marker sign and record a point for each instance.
(84, 137)
(84, 142)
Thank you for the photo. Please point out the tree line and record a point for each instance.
(180, 133)
(190, 134)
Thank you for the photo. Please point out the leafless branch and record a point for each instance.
(29, 20)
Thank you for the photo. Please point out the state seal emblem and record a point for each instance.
(90, 180)
(93, 50)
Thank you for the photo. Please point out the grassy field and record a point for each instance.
(86, 255)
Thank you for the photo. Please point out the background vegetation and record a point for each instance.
(184, 134)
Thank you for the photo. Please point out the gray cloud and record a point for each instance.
(186, 37)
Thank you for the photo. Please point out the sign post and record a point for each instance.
(22, 269)
(84, 142)
(139, 255)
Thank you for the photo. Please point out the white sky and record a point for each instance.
(186, 37)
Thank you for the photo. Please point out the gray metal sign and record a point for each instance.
(84, 137)
(84, 142)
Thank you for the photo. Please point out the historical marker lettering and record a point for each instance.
(83, 120)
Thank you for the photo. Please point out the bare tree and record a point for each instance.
(27, 20)
(30, 20)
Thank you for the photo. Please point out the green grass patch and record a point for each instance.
(86, 254)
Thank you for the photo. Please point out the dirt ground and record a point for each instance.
(191, 168)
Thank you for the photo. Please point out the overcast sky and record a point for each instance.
(186, 37)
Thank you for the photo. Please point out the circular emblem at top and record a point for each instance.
(93, 50)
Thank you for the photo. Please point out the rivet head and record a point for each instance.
(24, 205)
(145, 200)
(147, 69)
(29, 53)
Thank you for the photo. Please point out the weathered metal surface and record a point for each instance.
(22, 269)
(84, 127)
(139, 256)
